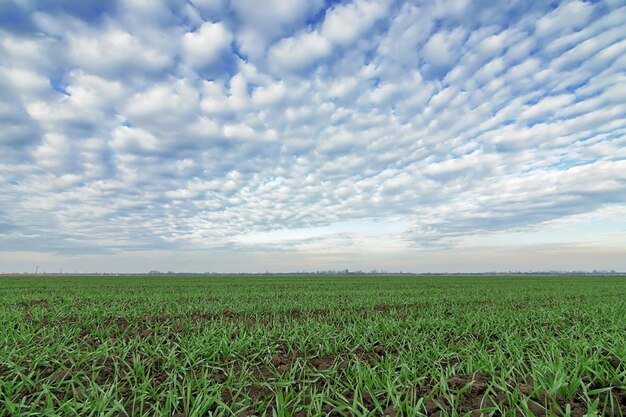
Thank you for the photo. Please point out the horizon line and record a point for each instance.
(315, 273)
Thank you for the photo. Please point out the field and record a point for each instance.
(312, 345)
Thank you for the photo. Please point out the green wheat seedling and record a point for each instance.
(312, 346)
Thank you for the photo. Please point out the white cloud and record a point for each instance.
(274, 14)
(441, 50)
(547, 106)
(160, 102)
(213, 6)
(206, 45)
(53, 152)
(25, 80)
(114, 52)
(300, 51)
(569, 16)
(146, 10)
(408, 29)
(269, 95)
(344, 24)
(134, 140)
(262, 25)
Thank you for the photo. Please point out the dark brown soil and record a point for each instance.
(67, 320)
(371, 357)
(282, 362)
(478, 381)
(41, 302)
(259, 392)
(615, 361)
(61, 375)
(324, 362)
(390, 411)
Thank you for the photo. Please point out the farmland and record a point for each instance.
(312, 345)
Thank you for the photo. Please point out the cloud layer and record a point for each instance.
(307, 127)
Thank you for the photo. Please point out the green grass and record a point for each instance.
(299, 346)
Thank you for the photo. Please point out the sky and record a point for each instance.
(304, 135)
